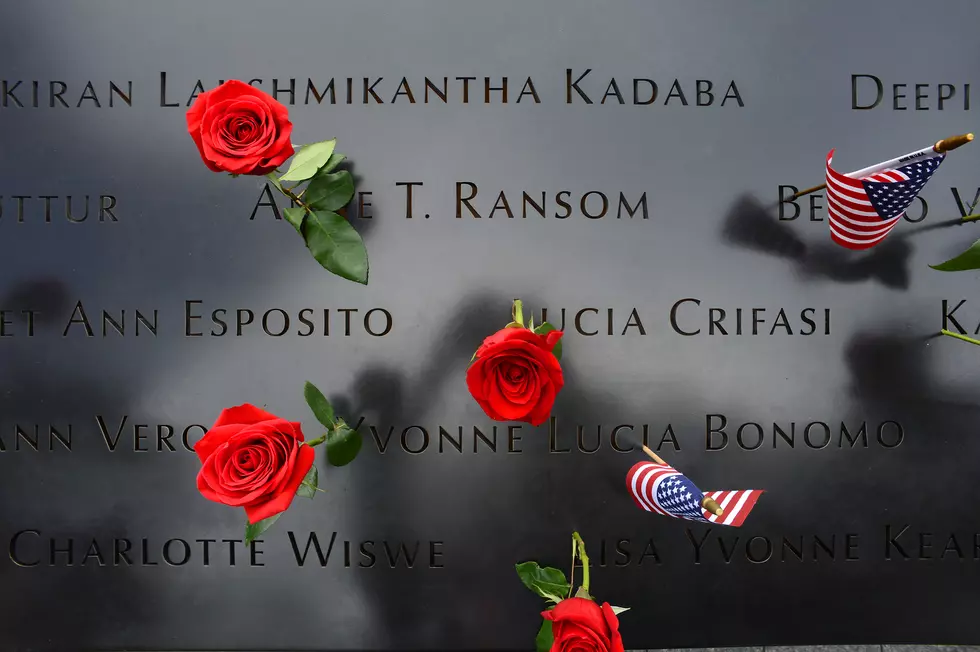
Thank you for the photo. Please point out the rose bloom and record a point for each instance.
(253, 459)
(240, 129)
(580, 625)
(515, 376)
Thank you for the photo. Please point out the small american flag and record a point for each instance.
(663, 490)
(863, 209)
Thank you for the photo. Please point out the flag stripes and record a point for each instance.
(648, 484)
(863, 210)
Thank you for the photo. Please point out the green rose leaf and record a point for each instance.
(272, 178)
(545, 328)
(545, 638)
(514, 324)
(308, 160)
(255, 530)
(336, 245)
(321, 407)
(969, 259)
(618, 610)
(582, 593)
(343, 445)
(295, 217)
(335, 160)
(308, 487)
(330, 192)
(518, 311)
(549, 583)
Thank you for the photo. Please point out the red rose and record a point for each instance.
(240, 129)
(515, 376)
(253, 459)
(582, 625)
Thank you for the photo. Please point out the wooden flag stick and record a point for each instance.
(944, 145)
(707, 503)
(713, 507)
(654, 456)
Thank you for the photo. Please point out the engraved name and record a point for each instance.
(690, 317)
(581, 87)
(869, 92)
(815, 205)
(57, 208)
(31, 548)
(959, 322)
(560, 204)
(125, 433)
(200, 321)
(718, 434)
(714, 546)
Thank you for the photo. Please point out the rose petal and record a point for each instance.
(243, 414)
(582, 613)
(194, 116)
(234, 89)
(551, 338)
(214, 438)
(508, 335)
(284, 499)
(616, 639)
(542, 409)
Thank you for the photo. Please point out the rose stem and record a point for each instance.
(317, 441)
(339, 424)
(960, 337)
(585, 560)
(571, 576)
(288, 192)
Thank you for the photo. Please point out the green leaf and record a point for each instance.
(330, 192)
(582, 593)
(308, 487)
(308, 160)
(545, 638)
(336, 245)
(335, 160)
(514, 324)
(272, 179)
(549, 583)
(618, 610)
(321, 407)
(255, 530)
(295, 217)
(518, 312)
(545, 328)
(343, 445)
(969, 259)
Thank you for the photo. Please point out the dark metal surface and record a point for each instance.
(183, 234)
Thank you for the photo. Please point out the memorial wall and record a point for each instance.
(341, 325)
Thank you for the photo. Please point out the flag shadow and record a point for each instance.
(750, 225)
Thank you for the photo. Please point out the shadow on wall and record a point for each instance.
(57, 608)
(750, 225)
(524, 509)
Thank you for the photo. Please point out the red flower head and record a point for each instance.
(516, 375)
(240, 129)
(253, 459)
